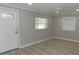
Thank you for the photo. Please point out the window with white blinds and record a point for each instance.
(68, 23)
(41, 23)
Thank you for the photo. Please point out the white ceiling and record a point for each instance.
(49, 8)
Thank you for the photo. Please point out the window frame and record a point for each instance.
(37, 24)
(71, 19)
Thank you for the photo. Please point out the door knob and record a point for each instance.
(16, 32)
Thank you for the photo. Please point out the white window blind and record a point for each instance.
(41, 23)
(68, 23)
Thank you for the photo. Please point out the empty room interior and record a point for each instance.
(39, 28)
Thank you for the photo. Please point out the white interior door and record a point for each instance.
(8, 27)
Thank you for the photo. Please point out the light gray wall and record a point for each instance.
(74, 35)
(28, 33)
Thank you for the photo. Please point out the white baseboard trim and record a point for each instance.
(67, 39)
(35, 42)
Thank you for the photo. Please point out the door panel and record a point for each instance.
(8, 37)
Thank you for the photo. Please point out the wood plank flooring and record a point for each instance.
(49, 47)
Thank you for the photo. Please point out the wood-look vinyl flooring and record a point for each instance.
(49, 47)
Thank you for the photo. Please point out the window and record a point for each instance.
(68, 23)
(41, 23)
(6, 15)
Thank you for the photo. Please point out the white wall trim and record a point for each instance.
(18, 30)
(35, 42)
(67, 39)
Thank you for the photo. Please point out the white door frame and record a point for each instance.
(18, 35)
(17, 23)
